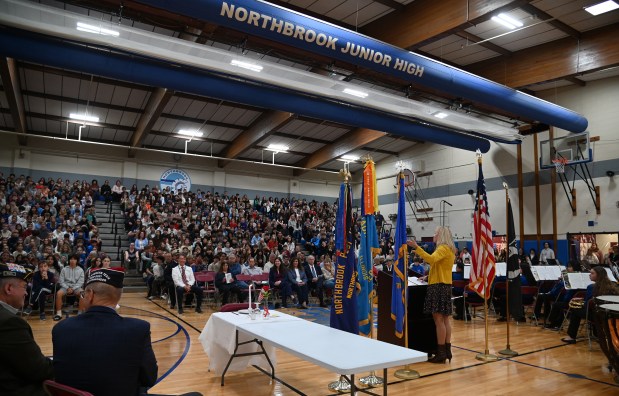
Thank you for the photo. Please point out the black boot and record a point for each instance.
(441, 355)
(448, 354)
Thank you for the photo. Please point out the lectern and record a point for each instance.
(421, 329)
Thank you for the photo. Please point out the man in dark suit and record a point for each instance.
(315, 278)
(23, 368)
(100, 351)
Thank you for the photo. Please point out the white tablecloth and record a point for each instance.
(218, 338)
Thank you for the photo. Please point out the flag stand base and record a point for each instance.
(407, 373)
(508, 352)
(486, 357)
(341, 385)
(371, 380)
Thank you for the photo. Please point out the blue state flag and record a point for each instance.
(400, 280)
(344, 306)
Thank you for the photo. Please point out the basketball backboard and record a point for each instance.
(573, 148)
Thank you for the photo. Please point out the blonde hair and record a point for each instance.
(443, 237)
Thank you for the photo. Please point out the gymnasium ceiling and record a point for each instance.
(560, 44)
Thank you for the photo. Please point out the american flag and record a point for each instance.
(483, 249)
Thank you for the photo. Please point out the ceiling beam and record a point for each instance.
(596, 50)
(12, 89)
(391, 4)
(262, 127)
(157, 101)
(345, 144)
(51, 117)
(576, 81)
(424, 21)
(301, 138)
(531, 9)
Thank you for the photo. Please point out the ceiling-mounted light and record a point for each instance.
(246, 65)
(507, 23)
(440, 114)
(83, 117)
(353, 92)
(510, 20)
(84, 27)
(187, 132)
(348, 158)
(601, 8)
(278, 148)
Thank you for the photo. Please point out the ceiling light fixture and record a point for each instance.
(84, 27)
(83, 117)
(278, 148)
(602, 8)
(348, 158)
(187, 132)
(440, 114)
(503, 22)
(510, 20)
(246, 65)
(354, 92)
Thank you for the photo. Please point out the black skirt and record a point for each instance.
(438, 299)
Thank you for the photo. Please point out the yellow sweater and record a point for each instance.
(441, 264)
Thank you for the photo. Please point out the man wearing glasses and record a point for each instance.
(23, 368)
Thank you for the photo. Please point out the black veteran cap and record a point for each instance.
(108, 276)
(15, 271)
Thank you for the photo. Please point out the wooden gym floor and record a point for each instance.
(544, 365)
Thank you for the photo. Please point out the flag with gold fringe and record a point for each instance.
(344, 306)
(368, 249)
(400, 280)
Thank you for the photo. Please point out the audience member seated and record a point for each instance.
(227, 284)
(298, 281)
(185, 282)
(315, 278)
(70, 284)
(43, 284)
(602, 286)
(278, 281)
(118, 342)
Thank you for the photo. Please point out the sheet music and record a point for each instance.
(467, 272)
(414, 281)
(545, 272)
(501, 269)
(611, 276)
(578, 281)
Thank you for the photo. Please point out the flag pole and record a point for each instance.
(342, 385)
(371, 380)
(507, 351)
(486, 356)
(407, 372)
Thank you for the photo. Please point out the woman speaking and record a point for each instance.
(438, 298)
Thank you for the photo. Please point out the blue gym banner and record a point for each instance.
(344, 306)
(279, 24)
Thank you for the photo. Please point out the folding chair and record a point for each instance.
(206, 280)
(529, 293)
(56, 389)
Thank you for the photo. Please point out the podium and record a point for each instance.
(421, 328)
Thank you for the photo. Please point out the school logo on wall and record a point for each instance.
(177, 180)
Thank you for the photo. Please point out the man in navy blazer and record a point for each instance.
(315, 278)
(100, 351)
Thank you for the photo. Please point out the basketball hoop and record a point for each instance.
(559, 164)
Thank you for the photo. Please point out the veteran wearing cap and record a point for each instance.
(100, 351)
(23, 368)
